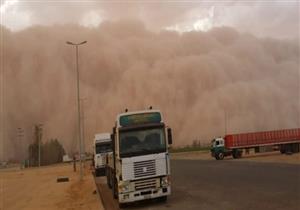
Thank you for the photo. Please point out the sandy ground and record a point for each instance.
(36, 188)
(272, 157)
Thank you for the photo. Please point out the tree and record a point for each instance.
(52, 151)
(33, 149)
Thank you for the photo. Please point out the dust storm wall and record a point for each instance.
(194, 78)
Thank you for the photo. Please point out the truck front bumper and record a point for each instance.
(144, 194)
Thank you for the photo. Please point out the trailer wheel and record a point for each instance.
(236, 154)
(114, 188)
(220, 156)
(108, 179)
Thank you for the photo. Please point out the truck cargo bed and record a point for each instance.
(277, 137)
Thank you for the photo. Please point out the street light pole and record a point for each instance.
(82, 130)
(78, 104)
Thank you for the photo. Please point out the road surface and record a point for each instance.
(228, 185)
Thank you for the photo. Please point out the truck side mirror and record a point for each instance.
(112, 136)
(169, 130)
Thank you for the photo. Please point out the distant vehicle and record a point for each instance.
(3, 164)
(288, 141)
(102, 146)
(67, 159)
(139, 167)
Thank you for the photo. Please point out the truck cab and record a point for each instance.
(139, 166)
(102, 146)
(218, 148)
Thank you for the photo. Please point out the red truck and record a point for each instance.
(287, 140)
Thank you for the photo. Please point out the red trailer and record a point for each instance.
(288, 140)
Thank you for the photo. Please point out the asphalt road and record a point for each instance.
(228, 185)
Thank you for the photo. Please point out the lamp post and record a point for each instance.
(78, 104)
(82, 130)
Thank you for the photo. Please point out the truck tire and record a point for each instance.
(108, 178)
(97, 172)
(217, 157)
(220, 156)
(114, 188)
(282, 149)
(163, 198)
(123, 205)
(295, 148)
(236, 154)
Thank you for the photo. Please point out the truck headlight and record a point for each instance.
(124, 186)
(165, 181)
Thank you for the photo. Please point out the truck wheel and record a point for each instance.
(122, 205)
(114, 188)
(108, 179)
(221, 156)
(217, 157)
(163, 198)
(282, 149)
(236, 154)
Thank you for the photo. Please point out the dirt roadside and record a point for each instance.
(36, 188)
(269, 157)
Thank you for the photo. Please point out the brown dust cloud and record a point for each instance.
(203, 82)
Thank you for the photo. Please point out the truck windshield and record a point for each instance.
(103, 147)
(142, 142)
(213, 143)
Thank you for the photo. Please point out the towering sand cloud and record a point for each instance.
(195, 78)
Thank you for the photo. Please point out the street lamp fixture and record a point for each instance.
(78, 104)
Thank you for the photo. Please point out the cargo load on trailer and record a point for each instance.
(102, 146)
(287, 141)
(139, 166)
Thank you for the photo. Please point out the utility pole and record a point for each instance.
(78, 104)
(225, 123)
(40, 129)
(20, 134)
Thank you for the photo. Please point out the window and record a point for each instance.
(142, 142)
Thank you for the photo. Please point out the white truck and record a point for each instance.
(139, 165)
(102, 146)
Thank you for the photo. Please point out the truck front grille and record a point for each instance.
(145, 184)
(144, 168)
